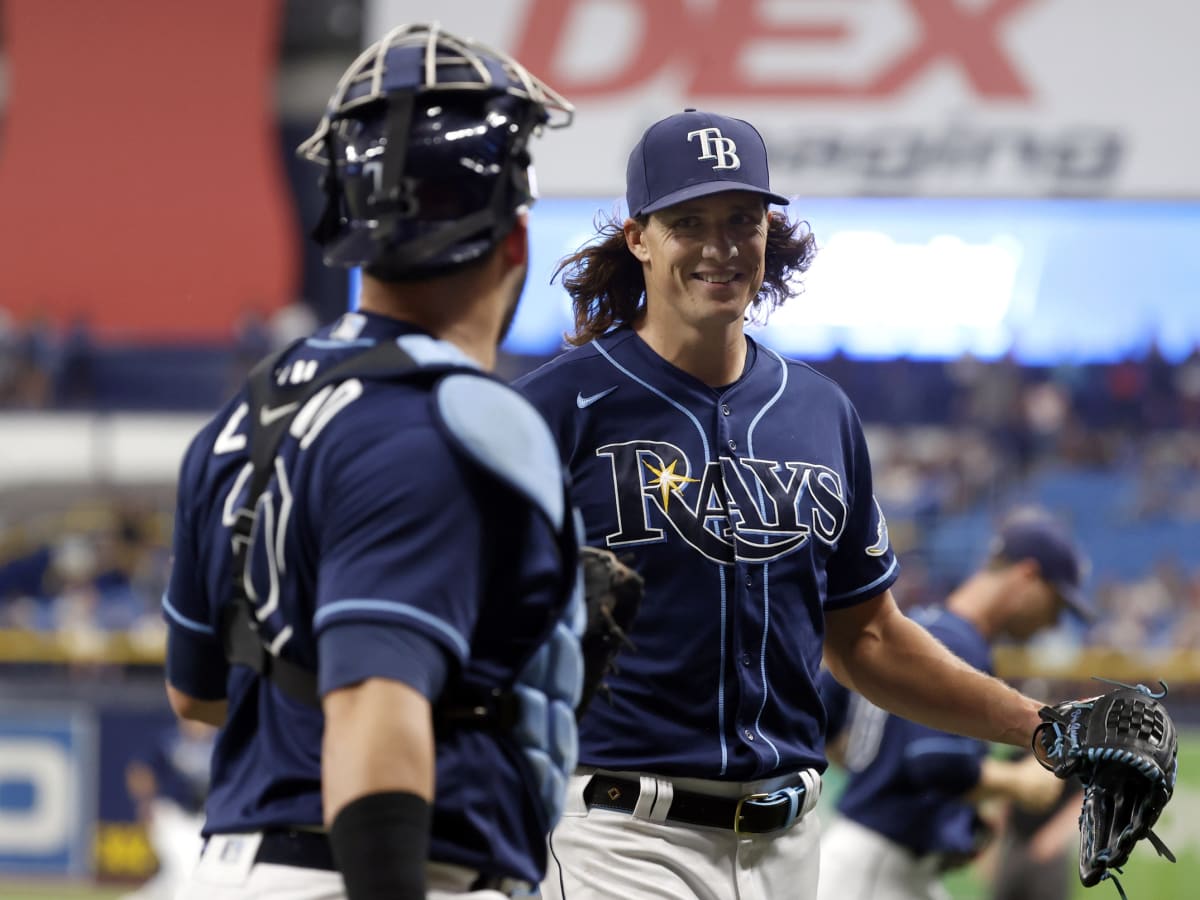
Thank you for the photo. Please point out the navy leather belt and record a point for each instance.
(751, 814)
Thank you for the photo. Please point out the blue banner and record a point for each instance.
(47, 791)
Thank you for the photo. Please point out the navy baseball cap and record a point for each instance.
(1038, 536)
(693, 154)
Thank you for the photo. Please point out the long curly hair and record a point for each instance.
(608, 289)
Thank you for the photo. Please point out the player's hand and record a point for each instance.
(1033, 788)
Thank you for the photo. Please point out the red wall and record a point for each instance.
(140, 179)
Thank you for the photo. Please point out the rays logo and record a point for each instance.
(714, 145)
(750, 510)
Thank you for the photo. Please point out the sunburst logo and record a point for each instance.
(668, 481)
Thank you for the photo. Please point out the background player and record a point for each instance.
(168, 787)
(910, 809)
(739, 484)
(377, 531)
(1035, 853)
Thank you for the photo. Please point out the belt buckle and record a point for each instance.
(737, 813)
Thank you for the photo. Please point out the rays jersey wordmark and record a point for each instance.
(734, 509)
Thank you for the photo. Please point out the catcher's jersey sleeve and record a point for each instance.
(403, 553)
(195, 660)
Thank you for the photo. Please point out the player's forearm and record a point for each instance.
(1025, 783)
(377, 766)
(210, 712)
(997, 779)
(898, 665)
(378, 737)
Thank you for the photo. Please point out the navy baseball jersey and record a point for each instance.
(749, 511)
(906, 781)
(380, 550)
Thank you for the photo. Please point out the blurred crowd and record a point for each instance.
(1112, 448)
(94, 566)
(36, 363)
(44, 368)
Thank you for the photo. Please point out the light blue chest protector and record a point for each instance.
(502, 432)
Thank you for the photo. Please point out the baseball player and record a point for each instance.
(168, 788)
(375, 585)
(909, 812)
(1035, 850)
(739, 485)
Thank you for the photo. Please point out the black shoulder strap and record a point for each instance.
(276, 393)
(275, 398)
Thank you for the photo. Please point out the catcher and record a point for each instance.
(1123, 747)
(375, 587)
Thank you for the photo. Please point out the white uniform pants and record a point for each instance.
(858, 863)
(605, 855)
(231, 876)
(174, 835)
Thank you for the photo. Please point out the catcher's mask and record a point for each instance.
(424, 145)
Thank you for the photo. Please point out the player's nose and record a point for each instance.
(720, 246)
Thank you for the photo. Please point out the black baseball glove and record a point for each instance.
(1123, 748)
(613, 592)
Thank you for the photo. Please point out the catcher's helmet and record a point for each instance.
(424, 145)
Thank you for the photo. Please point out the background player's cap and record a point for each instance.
(693, 154)
(1035, 534)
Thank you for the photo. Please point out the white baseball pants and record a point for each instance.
(858, 863)
(604, 855)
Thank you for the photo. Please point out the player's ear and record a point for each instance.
(1026, 573)
(635, 239)
(514, 248)
(1028, 568)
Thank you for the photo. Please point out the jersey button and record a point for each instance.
(749, 736)
(725, 408)
(732, 444)
(745, 659)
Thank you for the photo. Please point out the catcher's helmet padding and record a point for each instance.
(424, 143)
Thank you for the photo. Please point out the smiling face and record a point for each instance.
(703, 259)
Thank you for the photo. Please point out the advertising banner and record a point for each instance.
(913, 97)
(47, 791)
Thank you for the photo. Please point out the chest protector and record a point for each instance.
(498, 431)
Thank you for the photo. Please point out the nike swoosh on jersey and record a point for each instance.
(584, 402)
(269, 414)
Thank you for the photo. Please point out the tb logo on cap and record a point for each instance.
(713, 145)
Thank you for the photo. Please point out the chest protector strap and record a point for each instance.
(460, 704)
(240, 634)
